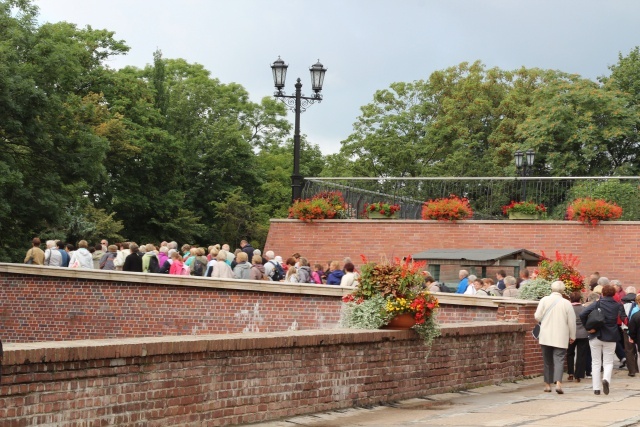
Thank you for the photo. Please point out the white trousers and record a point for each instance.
(601, 355)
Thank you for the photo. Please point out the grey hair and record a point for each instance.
(557, 286)
(630, 290)
(465, 273)
(615, 283)
(472, 278)
(510, 280)
(603, 281)
(270, 255)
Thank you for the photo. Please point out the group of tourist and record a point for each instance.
(217, 260)
(503, 286)
(570, 328)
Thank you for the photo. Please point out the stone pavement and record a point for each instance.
(522, 403)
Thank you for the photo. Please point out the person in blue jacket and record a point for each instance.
(335, 274)
(464, 281)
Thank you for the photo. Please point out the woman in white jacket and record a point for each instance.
(81, 258)
(557, 329)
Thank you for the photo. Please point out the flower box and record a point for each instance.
(452, 208)
(520, 215)
(592, 211)
(378, 215)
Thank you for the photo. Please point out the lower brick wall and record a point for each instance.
(232, 379)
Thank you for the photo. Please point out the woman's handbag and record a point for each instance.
(536, 329)
(595, 319)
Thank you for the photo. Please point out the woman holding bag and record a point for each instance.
(556, 332)
(602, 340)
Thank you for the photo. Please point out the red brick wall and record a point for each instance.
(611, 248)
(225, 380)
(52, 308)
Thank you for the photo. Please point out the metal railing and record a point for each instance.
(487, 195)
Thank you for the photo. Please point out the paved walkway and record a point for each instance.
(522, 403)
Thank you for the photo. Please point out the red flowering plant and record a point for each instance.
(386, 290)
(565, 268)
(592, 211)
(452, 208)
(324, 205)
(530, 208)
(309, 209)
(385, 209)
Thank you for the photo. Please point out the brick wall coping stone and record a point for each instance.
(468, 221)
(245, 285)
(71, 351)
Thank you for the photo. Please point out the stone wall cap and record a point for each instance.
(70, 351)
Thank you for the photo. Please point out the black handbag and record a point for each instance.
(595, 319)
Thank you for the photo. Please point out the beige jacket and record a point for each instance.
(559, 325)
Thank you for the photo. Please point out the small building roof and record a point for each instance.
(477, 256)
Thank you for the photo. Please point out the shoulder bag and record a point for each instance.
(595, 319)
(536, 329)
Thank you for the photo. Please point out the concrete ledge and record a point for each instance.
(165, 279)
(71, 351)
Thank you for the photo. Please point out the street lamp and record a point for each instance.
(298, 104)
(524, 167)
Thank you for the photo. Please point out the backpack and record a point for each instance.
(277, 273)
(154, 265)
(198, 268)
(444, 288)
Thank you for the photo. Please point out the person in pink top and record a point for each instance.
(176, 265)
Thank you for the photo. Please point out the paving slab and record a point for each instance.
(515, 404)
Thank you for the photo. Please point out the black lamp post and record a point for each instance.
(524, 167)
(298, 104)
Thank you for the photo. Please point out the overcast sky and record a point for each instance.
(365, 44)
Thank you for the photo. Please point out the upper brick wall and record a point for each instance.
(610, 248)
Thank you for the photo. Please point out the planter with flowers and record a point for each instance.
(391, 295)
(524, 210)
(381, 210)
(325, 205)
(592, 211)
(565, 268)
(452, 208)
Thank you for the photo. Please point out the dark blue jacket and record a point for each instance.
(334, 277)
(611, 309)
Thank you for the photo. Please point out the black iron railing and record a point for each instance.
(487, 196)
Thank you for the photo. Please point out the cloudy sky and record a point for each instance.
(364, 44)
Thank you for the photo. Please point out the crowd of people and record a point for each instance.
(589, 342)
(217, 260)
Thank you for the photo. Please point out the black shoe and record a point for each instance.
(623, 363)
(596, 392)
(605, 386)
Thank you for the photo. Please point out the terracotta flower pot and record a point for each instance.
(401, 321)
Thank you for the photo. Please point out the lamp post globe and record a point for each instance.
(531, 155)
(317, 76)
(519, 155)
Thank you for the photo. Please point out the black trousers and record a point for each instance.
(630, 353)
(578, 351)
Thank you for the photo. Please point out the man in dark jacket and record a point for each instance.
(247, 249)
(603, 341)
(133, 261)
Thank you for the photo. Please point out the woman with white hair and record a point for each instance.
(557, 329)
(52, 256)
